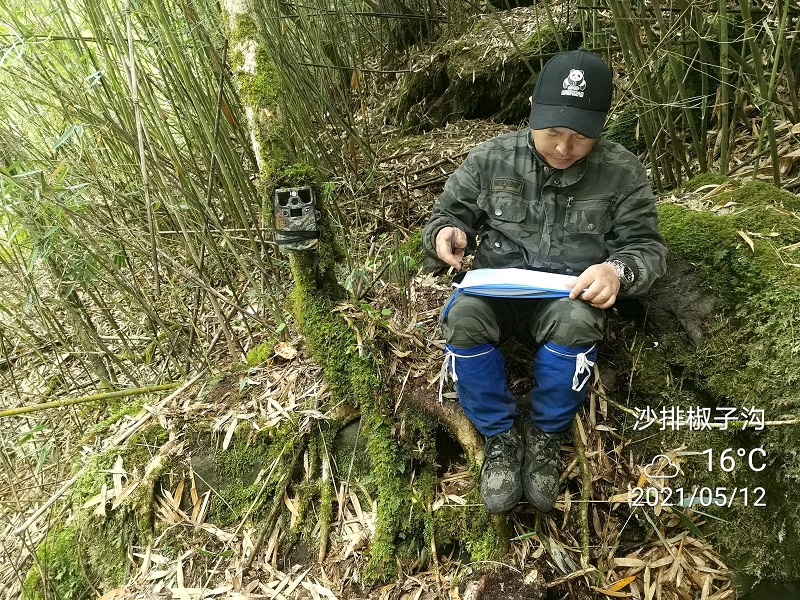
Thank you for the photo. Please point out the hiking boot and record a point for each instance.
(540, 467)
(501, 483)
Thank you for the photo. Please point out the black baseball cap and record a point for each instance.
(574, 91)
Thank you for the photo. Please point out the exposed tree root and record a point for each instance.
(453, 418)
(277, 501)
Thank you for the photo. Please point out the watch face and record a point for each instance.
(624, 273)
(627, 273)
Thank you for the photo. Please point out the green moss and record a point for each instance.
(747, 351)
(262, 88)
(393, 493)
(702, 179)
(747, 357)
(469, 526)
(419, 434)
(107, 542)
(58, 559)
(758, 193)
(412, 248)
(462, 82)
(353, 378)
(714, 239)
(351, 371)
(237, 470)
(244, 28)
(651, 374)
(236, 60)
(714, 242)
(90, 482)
(120, 411)
(103, 542)
(105, 558)
(542, 40)
(351, 457)
(623, 128)
(261, 353)
(144, 446)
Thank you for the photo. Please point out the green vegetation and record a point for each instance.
(261, 90)
(123, 410)
(245, 473)
(706, 179)
(460, 82)
(412, 248)
(260, 354)
(57, 557)
(94, 548)
(743, 359)
(623, 128)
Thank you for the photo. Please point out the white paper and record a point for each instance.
(514, 282)
(522, 278)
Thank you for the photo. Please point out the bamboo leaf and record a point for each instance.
(677, 510)
(748, 241)
(64, 137)
(621, 584)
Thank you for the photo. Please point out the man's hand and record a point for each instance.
(600, 283)
(450, 245)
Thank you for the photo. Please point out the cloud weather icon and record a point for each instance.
(670, 470)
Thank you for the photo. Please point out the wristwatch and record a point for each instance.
(624, 272)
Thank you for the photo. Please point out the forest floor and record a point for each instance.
(639, 560)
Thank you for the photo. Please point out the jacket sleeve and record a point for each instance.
(634, 238)
(457, 207)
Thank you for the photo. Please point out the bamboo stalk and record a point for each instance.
(8, 364)
(586, 489)
(704, 62)
(43, 508)
(326, 503)
(623, 27)
(755, 53)
(791, 84)
(106, 249)
(678, 74)
(12, 412)
(677, 148)
(773, 144)
(724, 71)
(151, 223)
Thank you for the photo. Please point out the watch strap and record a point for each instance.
(624, 273)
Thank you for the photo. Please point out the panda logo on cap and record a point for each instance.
(574, 84)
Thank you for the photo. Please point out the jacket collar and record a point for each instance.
(568, 176)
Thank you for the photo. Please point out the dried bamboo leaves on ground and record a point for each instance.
(664, 561)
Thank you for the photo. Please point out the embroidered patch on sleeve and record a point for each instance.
(503, 184)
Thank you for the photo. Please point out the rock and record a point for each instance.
(482, 75)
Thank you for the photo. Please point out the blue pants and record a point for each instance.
(560, 378)
(565, 332)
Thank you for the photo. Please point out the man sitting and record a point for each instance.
(555, 198)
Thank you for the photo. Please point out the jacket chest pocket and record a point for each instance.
(588, 215)
(503, 207)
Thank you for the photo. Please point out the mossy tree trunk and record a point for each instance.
(351, 370)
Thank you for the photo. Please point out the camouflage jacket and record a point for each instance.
(529, 215)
